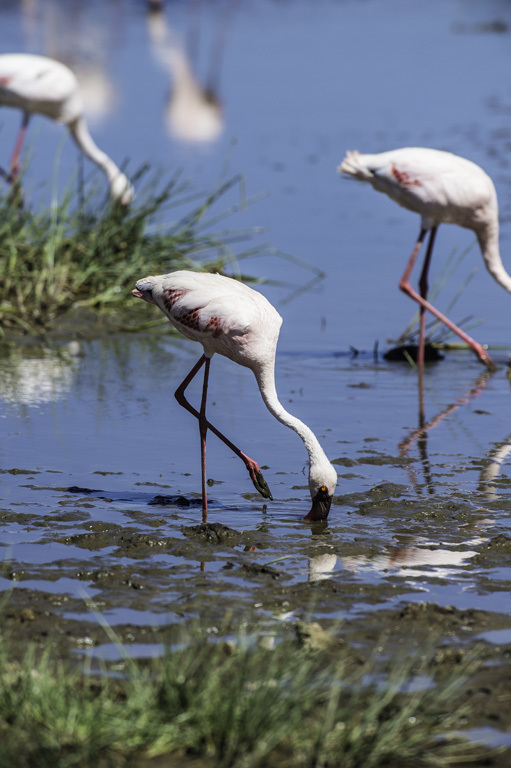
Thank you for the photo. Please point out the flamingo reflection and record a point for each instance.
(419, 554)
(414, 557)
(420, 433)
(496, 457)
(81, 41)
(31, 379)
(193, 112)
(321, 567)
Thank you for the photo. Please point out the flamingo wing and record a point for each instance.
(35, 83)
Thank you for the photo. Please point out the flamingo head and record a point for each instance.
(144, 289)
(322, 484)
(121, 189)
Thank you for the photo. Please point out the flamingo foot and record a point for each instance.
(261, 485)
(7, 176)
(486, 359)
(256, 476)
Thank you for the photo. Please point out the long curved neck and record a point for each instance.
(266, 380)
(82, 137)
(489, 243)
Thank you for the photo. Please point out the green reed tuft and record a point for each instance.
(237, 703)
(71, 255)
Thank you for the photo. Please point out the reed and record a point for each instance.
(74, 255)
(238, 703)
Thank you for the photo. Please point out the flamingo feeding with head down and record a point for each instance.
(441, 188)
(44, 86)
(230, 318)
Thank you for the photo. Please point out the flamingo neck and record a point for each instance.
(266, 380)
(488, 238)
(118, 182)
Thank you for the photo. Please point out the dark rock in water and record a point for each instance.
(406, 351)
(174, 501)
(212, 532)
(256, 569)
(83, 491)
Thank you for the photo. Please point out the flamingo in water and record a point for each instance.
(44, 86)
(441, 188)
(228, 317)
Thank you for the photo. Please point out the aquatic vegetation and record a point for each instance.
(68, 255)
(240, 703)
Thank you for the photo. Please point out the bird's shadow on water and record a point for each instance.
(317, 528)
(158, 500)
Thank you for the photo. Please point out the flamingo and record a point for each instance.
(228, 317)
(441, 188)
(44, 86)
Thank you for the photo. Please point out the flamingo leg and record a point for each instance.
(405, 286)
(203, 429)
(253, 468)
(423, 287)
(15, 158)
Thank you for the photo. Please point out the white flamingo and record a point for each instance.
(441, 188)
(227, 317)
(44, 86)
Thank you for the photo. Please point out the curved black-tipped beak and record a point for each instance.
(320, 506)
(146, 295)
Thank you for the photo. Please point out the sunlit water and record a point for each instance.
(299, 84)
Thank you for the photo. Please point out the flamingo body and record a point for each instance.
(224, 315)
(39, 85)
(441, 188)
(231, 319)
(44, 86)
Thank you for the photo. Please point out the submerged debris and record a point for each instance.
(407, 352)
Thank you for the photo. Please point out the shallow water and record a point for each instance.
(418, 538)
(82, 473)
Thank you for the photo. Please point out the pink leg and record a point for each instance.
(405, 286)
(15, 158)
(253, 468)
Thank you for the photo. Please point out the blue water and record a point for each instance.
(299, 84)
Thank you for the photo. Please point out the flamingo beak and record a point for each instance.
(320, 506)
(146, 295)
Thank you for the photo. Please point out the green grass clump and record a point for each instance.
(66, 255)
(233, 704)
